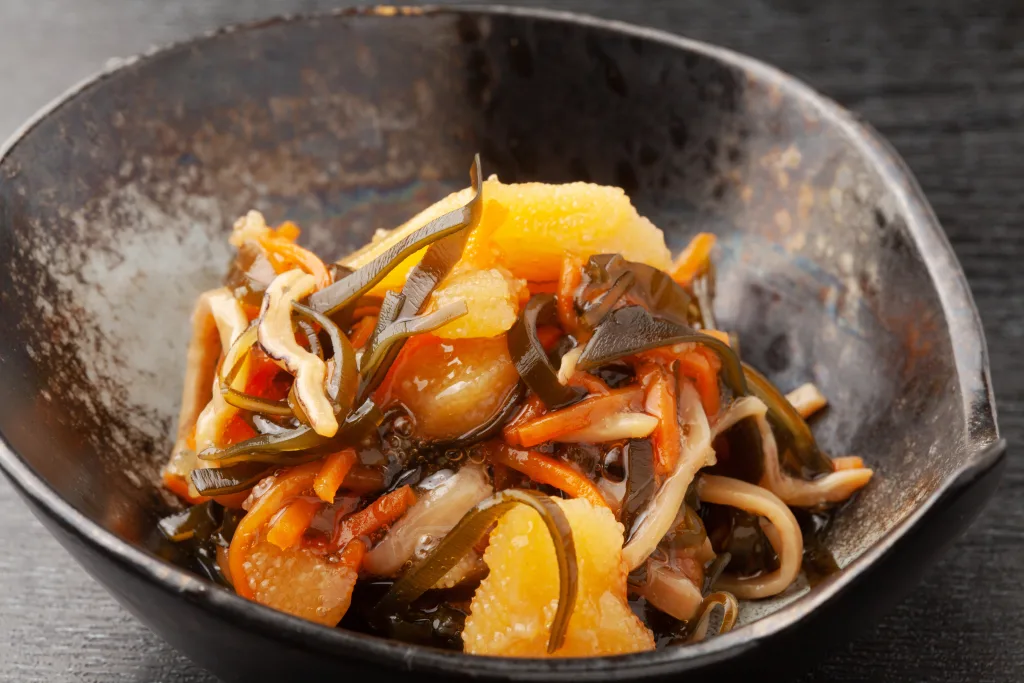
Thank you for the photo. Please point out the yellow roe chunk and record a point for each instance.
(512, 609)
(534, 225)
(301, 582)
(493, 297)
(546, 222)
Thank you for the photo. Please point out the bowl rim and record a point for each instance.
(984, 446)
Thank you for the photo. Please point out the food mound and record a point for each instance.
(510, 426)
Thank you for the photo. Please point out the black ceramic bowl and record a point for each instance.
(115, 202)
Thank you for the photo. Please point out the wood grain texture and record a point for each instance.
(943, 80)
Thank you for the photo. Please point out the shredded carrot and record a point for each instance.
(848, 462)
(178, 485)
(713, 359)
(544, 469)
(289, 253)
(352, 555)
(235, 431)
(287, 231)
(548, 336)
(719, 335)
(263, 377)
(362, 331)
(291, 524)
(693, 258)
(699, 364)
(588, 411)
(294, 482)
(662, 403)
(375, 516)
(532, 407)
(251, 311)
(696, 365)
(565, 298)
(331, 476)
(262, 382)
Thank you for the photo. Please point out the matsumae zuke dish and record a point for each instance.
(510, 426)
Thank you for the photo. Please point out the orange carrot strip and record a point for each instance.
(287, 231)
(352, 555)
(293, 253)
(251, 312)
(236, 430)
(693, 259)
(719, 335)
(697, 367)
(362, 331)
(533, 407)
(548, 336)
(848, 462)
(263, 373)
(714, 360)
(544, 469)
(699, 364)
(375, 516)
(556, 423)
(178, 485)
(286, 486)
(568, 282)
(661, 402)
(287, 531)
(331, 476)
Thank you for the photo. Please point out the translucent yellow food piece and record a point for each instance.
(546, 222)
(534, 225)
(453, 386)
(493, 297)
(300, 582)
(512, 609)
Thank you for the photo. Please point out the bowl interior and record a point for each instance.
(114, 211)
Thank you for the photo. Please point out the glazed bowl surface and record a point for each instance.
(116, 201)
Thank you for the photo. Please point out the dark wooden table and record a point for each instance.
(943, 80)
